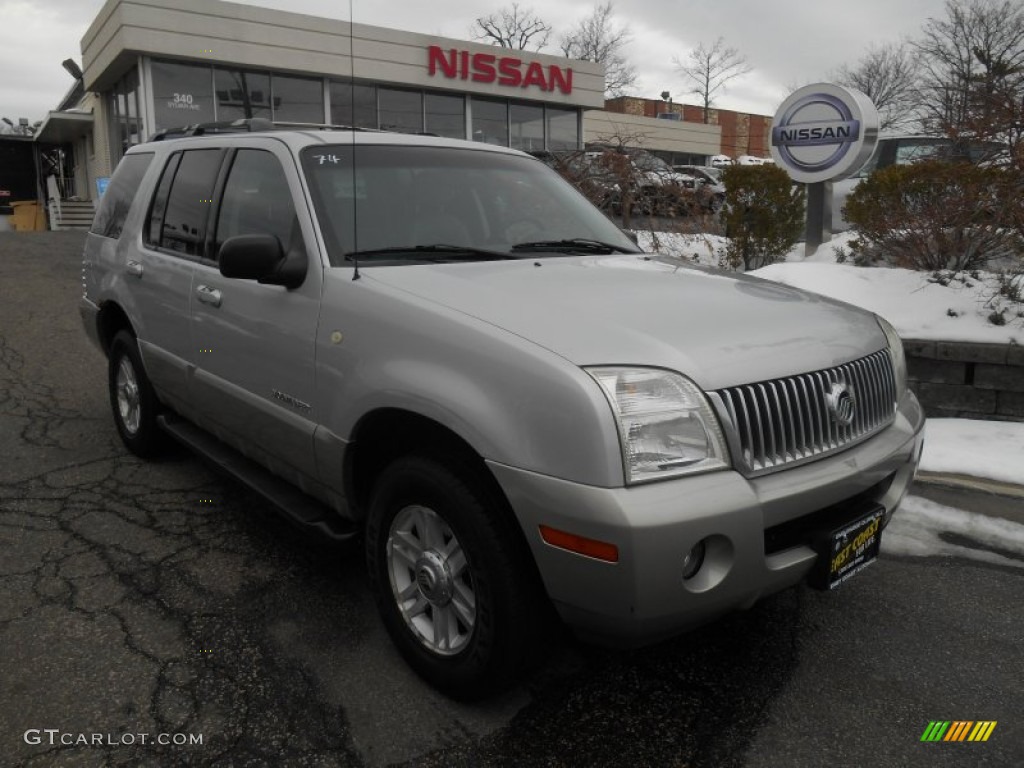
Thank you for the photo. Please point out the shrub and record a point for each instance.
(936, 215)
(763, 214)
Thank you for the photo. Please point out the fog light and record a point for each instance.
(693, 561)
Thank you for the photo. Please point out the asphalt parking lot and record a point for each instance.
(143, 603)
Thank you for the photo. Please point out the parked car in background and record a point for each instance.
(597, 180)
(616, 178)
(710, 189)
(657, 188)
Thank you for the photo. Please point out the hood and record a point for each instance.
(719, 329)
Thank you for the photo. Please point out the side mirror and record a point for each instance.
(260, 258)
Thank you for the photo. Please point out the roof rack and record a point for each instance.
(244, 125)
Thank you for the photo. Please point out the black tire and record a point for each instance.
(139, 431)
(505, 638)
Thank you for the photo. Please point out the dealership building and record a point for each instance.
(150, 65)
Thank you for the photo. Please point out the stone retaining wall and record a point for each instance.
(967, 380)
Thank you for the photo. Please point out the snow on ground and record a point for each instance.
(989, 449)
(695, 248)
(916, 306)
(924, 528)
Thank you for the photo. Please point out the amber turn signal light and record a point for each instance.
(581, 545)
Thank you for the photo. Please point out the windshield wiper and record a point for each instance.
(449, 253)
(578, 244)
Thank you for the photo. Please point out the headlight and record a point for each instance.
(666, 426)
(899, 359)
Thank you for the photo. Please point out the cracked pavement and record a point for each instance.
(159, 598)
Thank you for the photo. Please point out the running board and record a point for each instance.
(297, 507)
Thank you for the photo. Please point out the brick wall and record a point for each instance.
(965, 380)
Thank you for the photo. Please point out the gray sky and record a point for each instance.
(787, 42)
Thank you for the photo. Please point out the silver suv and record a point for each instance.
(443, 347)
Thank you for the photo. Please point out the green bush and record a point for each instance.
(938, 215)
(763, 214)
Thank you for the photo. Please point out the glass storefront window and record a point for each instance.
(490, 121)
(563, 128)
(527, 127)
(125, 123)
(298, 99)
(400, 111)
(353, 105)
(182, 94)
(446, 115)
(242, 94)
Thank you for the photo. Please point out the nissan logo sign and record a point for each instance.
(824, 132)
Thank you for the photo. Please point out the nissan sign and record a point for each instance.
(824, 132)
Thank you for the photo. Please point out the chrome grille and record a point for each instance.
(773, 424)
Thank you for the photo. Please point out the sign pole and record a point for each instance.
(819, 216)
(821, 133)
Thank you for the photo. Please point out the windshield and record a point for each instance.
(645, 161)
(406, 201)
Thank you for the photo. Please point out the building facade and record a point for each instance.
(738, 133)
(154, 65)
(151, 65)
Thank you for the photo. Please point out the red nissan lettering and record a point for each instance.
(483, 67)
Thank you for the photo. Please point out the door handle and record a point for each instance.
(208, 295)
(134, 268)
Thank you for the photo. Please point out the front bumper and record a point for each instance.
(643, 597)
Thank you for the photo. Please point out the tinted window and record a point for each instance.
(298, 99)
(182, 94)
(400, 111)
(373, 197)
(563, 128)
(354, 105)
(242, 94)
(490, 121)
(159, 207)
(446, 115)
(188, 204)
(257, 200)
(527, 127)
(117, 200)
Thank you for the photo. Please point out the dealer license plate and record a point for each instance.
(846, 551)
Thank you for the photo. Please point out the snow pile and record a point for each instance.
(694, 248)
(924, 528)
(990, 449)
(917, 305)
(921, 305)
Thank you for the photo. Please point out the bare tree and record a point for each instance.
(972, 64)
(888, 75)
(597, 38)
(710, 68)
(513, 27)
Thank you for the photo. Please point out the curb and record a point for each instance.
(967, 482)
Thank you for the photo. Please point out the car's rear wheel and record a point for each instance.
(132, 400)
(450, 578)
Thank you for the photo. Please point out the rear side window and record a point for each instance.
(120, 194)
(179, 225)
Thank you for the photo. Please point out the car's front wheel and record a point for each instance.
(132, 399)
(450, 578)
